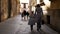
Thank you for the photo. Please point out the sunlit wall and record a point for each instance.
(46, 6)
(47, 3)
(38, 1)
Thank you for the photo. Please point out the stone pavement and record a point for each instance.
(16, 26)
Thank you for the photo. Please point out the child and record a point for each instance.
(31, 21)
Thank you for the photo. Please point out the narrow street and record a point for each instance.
(16, 26)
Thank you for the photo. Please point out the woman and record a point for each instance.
(39, 14)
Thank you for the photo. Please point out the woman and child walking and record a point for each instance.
(36, 18)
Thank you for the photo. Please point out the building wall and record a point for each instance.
(14, 8)
(54, 12)
(18, 6)
(0, 10)
(5, 9)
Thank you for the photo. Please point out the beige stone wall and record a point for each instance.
(4, 9)
(55, 4)
(14, 8)
(55, 19)
(33, 2)
(18, 6)
(54, 12)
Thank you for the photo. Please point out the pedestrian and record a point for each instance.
(39, 13)
(27, 14)
(23, 14)
(31, 21)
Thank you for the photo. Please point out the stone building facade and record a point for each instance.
(54, 12)
(9, 8)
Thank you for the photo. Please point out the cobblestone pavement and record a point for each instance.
(16, 26)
